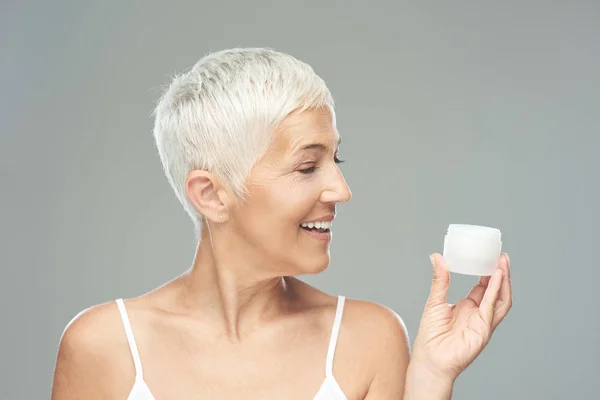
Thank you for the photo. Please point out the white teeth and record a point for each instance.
(318, 225)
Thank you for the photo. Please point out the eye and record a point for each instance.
(308, 170)
(312, 169)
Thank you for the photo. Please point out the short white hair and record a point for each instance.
(220, 115)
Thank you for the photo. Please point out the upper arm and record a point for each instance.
(391, 354)
(86, 359)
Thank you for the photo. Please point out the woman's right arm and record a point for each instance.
(89, 357)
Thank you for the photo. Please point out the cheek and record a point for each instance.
(270, 212)
(298, 202)
(275, 211)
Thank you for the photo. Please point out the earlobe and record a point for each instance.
(205, 192)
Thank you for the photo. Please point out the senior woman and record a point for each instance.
(248, 141)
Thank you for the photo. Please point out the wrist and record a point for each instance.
(423, 383)
(425, 369)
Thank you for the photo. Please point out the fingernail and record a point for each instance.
(432, 259)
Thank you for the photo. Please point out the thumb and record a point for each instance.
(441, 281)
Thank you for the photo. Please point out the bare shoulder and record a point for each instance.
(376, 324)
(382, 335)
(365, 321)
(93, 356)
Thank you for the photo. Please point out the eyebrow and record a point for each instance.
(316, 146)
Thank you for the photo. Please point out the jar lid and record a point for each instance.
(474, 232)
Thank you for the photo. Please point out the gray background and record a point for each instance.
(450, 112)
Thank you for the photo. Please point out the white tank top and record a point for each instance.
(329, 390)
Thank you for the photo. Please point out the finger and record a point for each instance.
(488, 304)
(505, 265)
(477, 292)
(508, 266)
(441, 281)
(484, 280)
(505, 287)
(504, 302)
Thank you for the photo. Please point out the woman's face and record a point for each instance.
(297, 181)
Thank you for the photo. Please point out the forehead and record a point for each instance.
(315, 126)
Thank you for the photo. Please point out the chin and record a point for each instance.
(314, 266)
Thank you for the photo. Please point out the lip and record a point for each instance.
(322, 236)
(325, 218)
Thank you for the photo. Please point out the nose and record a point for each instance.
(337, 190)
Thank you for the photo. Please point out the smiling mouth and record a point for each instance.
(314, 229)
(317, 226)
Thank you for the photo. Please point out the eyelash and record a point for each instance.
(314, 168)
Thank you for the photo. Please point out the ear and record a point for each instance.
(208, 194)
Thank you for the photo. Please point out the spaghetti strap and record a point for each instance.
(334, 335)
(130, 338)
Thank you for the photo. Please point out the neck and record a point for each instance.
(225, 287)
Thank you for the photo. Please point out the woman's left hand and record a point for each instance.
(451, 336)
